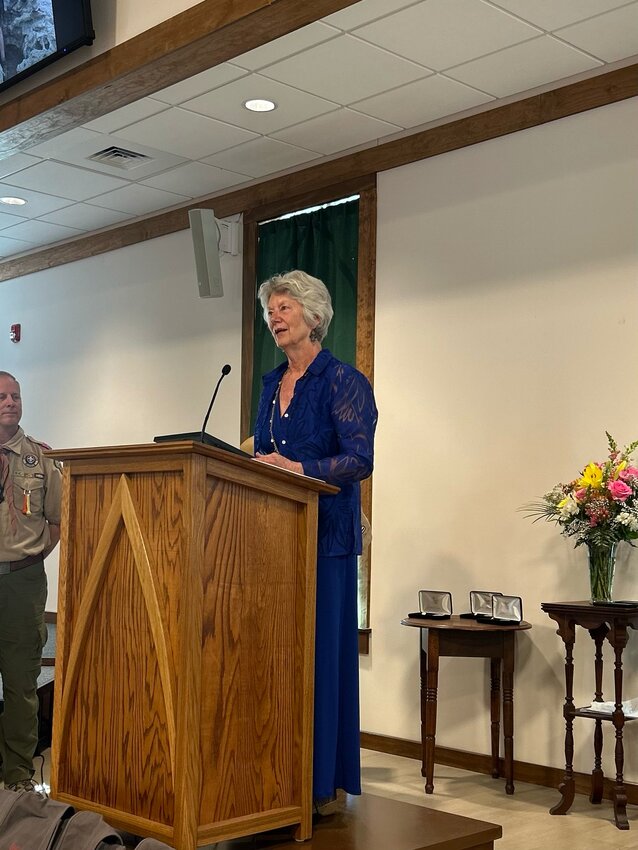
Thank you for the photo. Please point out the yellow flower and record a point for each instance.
(592, 477)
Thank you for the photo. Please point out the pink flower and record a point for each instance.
(628, 472)
(580, 494)
(619, 490)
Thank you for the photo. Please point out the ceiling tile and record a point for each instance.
(195, 179)
(40, 232)
(550, 16)
(185, 133)
(7, 220)
(66, 181)
(422, 101)
(610, 37)
(364, 12)
(200, 83)
(8, 247)
(293, 106)
(16, 162)
(85, 217)
(126, 115)
(523, 66)
(37, 202)
(287, 45)
(137, 200)
(61, 143)
(336, 131)
(260, 157)
(328, 70)
(444, 33)
(156, 160)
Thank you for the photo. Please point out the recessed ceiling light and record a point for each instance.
(18, 202)
(260, 105)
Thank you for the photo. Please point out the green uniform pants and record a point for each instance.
(23, 596)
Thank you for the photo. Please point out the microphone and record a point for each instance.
(202, 436)
(225, 371)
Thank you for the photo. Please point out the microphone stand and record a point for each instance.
(225, 371)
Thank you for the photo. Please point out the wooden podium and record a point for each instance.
(185, 655)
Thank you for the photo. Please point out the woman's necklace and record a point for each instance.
(275, 402)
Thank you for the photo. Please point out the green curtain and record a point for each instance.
(323, 243)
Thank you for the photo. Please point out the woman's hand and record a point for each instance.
(282, 462)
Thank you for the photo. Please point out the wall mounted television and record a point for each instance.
(34, 33)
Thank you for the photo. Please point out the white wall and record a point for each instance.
(118, 348)
(506, 345)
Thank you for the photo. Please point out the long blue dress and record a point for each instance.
(329, 427)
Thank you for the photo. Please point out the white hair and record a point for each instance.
(309, 291)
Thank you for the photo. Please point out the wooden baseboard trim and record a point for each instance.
(535, 774)
(50, 617)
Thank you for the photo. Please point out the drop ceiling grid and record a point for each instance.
(368, 73)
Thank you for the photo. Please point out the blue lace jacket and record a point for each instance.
(329, 427)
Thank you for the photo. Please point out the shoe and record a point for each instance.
(25, 785)
(325, 805)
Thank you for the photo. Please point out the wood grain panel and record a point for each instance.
(189, 610)
(252, 657)
(130, 670)
(529, 112)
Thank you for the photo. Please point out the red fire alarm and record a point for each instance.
(14, 335)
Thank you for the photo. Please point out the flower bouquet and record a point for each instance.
(599, 509)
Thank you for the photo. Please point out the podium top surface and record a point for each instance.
(148, 451)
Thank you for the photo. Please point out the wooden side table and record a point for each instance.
(459, 637)
(609, 622)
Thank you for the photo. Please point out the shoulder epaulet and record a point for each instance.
(38, 442)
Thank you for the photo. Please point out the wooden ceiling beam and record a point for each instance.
(345, 171)
(199, 38)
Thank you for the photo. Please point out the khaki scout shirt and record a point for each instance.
(36, 482)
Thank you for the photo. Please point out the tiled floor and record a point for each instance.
(524, 816)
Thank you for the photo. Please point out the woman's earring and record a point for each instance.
(314, 335)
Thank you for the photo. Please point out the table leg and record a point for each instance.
(567, 787)
(495, 712)
(620, 793)
(508, 710)
(423, 675)
(597, 777)
(432, 676)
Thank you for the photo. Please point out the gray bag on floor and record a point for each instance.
(31, 822)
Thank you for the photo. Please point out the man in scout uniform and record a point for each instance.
(30, 489)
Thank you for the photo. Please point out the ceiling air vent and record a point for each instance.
(120, 158)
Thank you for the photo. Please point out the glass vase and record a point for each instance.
(602, 562)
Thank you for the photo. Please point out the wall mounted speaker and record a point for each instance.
(206, 235)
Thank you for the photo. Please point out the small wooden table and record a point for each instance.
(460, 637)
(601, 621)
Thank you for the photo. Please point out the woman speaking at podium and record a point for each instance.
(317, 417)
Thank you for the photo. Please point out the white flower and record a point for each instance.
(568, 507)
(629, 520)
